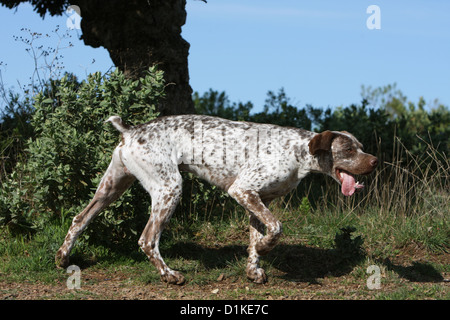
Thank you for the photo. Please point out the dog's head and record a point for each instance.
(340, 155)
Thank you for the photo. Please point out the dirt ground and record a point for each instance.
(101, 286)
(98, 285)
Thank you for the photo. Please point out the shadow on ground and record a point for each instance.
(417, 272)
(297, 263)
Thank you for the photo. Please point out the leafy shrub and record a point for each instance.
(72, 148)
(15, 129)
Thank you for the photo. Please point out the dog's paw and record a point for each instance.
(61, 260)
(173, 277)
(257, 275)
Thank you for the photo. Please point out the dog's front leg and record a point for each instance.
(253, 270)
(260, 217)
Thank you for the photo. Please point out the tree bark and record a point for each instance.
(139, 34)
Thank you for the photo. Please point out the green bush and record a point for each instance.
(72, 148)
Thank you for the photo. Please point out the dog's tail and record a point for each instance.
(117, 122)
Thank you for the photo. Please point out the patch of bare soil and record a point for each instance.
(97, 285)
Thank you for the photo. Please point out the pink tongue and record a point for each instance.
(348, 184)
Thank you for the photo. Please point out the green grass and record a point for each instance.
(318, 246)
(416, 292)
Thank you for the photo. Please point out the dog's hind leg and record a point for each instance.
(165, 197)
(115, 181)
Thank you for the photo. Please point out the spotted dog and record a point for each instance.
(254, 163)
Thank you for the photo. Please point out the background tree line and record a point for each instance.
(382, 114)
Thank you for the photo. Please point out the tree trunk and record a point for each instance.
(139, 34)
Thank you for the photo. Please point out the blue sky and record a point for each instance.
(320, 51)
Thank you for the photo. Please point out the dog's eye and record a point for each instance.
(349, 149)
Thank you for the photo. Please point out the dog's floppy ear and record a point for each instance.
(321, 142)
